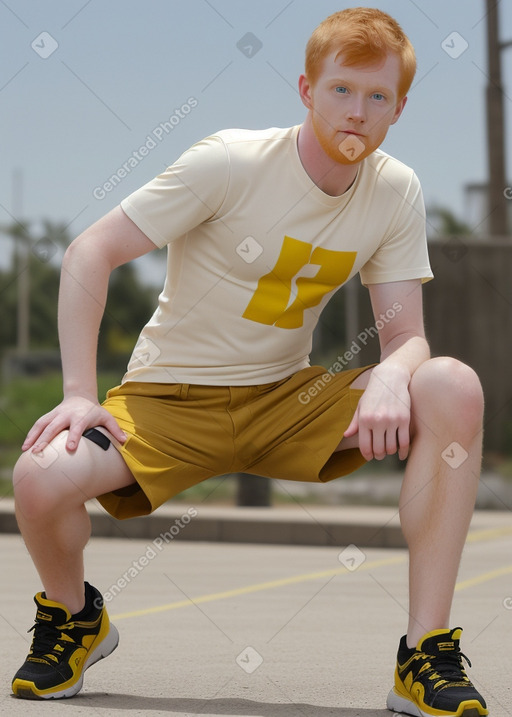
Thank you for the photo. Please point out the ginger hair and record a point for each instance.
(363, 36)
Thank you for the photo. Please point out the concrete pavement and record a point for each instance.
(213, 629)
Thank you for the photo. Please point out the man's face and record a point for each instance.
(353, 107)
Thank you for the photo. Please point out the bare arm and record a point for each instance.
(383, 415)
(86, 269)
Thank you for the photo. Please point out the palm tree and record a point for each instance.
(54, 235)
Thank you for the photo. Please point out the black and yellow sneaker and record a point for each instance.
(430, 679)
(63, 647)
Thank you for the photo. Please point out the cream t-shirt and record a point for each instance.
(256, 250)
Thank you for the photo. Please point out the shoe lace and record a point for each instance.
(446, 668)
(47, 637)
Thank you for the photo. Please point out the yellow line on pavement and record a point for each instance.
(259, 587)
(473, 537)
(476, 536)
(483, 578)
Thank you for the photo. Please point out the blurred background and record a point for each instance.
(97, 99)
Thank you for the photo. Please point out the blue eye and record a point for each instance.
(341, 90)
(378, 96)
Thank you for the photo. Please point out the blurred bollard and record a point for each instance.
(253, 491)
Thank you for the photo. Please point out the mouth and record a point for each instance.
(350, 131)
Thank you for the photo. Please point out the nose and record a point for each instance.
(356, 110)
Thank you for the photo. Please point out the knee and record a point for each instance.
(35, 491)
(451, 389)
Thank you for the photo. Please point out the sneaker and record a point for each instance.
(431, 680)
(63, 648)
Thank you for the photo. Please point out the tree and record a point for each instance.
(129, 306)
(447, 224)
(32, 271)
(35, 270)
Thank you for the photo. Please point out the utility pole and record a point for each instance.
(497, 203)
(22, 265)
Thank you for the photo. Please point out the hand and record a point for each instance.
(77, 414)
(382, 417)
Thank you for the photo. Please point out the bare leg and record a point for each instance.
(51, 513)
(439, 488)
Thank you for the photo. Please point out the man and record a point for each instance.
(262, 227)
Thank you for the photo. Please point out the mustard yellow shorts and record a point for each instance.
(182, 434)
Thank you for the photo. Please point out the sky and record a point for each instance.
(85, 84)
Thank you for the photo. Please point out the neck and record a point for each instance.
(331, 177)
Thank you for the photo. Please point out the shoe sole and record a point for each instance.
(27, 690)
(400, 704)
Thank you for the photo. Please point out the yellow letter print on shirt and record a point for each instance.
(275, 302)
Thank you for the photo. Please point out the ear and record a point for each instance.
(398, 110)
(305, 92)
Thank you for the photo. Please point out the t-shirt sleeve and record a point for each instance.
(403, 253)
(187, 194)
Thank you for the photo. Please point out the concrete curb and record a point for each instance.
(293, 526)
(364, 526)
